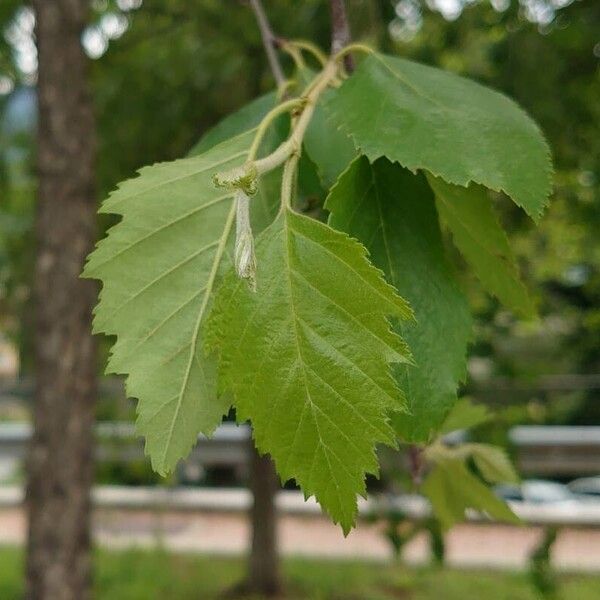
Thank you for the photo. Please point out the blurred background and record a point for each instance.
(163, 72)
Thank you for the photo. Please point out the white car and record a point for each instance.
(537, 491)
(586, 488)
(549, 503)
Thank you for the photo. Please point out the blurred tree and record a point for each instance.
(60, 461)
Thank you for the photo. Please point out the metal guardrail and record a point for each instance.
(118, 442)
(540, 450)
(238, 500)
(557, 451)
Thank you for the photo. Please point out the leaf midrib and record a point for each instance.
(287, 255)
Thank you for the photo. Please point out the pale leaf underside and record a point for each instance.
(452, 489)
(159, 267)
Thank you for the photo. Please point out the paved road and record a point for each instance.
(473, 545)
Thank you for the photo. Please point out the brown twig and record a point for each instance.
(269, 40)
(415, 464)
(340, 31)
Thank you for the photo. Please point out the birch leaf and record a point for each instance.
(159, 267)
(426, 118)
(393, 213)
(306, 357)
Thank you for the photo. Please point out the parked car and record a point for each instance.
(538, 491)
(586, 488)
(547, 502)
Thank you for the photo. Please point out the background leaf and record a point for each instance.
(393, 213)
(329, 148)
(469, 214)
(465, 415)
(248, 117)
(452, 489)
(493, 463)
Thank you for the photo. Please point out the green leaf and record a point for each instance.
(465, 415)
(393, 213)
(470, 216)
(493, 463)
(248, 117)
(266, 203)
(329, 148)
(452, 489)
(306, 357)
(456, 129)
(159, 267)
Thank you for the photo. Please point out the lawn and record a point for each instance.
(149, 575)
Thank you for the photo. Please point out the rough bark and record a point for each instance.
(263, 567)
(60, 461)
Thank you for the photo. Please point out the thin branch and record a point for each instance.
(415, 464)
(269, 40)
(340, 30)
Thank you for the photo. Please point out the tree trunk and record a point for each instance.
(60, 462)
(263, 568)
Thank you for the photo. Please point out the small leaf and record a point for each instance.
(493, 463)
(465, 415)
(306, 357)
(452, 489)
(456, 129)
(393, 213)
(470, 216)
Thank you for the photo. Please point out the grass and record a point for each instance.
(149, 575)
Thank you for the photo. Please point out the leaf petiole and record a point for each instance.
(352, 48)
(294, 142)
(288, 180)
(280, 109)
(309, 47)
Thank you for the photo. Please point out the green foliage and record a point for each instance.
(306, 352)
(470, 217)
(159, 267)
(154, 574)
(465, 415)
(493, 463)
(307, 355)
(426, 118)
(459, 475)
(393, 213)
(452, 489)
(542, 574)
(330, 149)
(248, 117)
